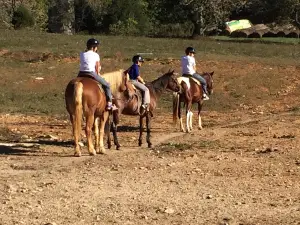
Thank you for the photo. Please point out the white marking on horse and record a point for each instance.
(186, 80)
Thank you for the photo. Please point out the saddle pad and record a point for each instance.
(187, 81)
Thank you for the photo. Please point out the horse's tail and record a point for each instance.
(78, 90)
(176, 97)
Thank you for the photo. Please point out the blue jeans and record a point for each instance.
(202, 81)
(103, 82)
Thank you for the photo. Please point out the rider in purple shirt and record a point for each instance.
(137, 80)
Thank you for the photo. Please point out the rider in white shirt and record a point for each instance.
(90, 63)
(188, 66)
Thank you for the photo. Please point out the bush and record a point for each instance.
(22, 17)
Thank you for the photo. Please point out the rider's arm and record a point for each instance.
(98, 67)
(140, 79)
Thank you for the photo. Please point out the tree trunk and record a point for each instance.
(61, 16)
(198, 21)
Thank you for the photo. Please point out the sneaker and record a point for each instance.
(145, 106)
(205, 97)
(143, 109)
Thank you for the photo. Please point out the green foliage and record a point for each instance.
(129, 17)
(22, 17)
(40, 12)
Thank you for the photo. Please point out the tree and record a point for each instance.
(61, 16)
(129, 17)
(90, 14)
(207, 15)
(22, 17)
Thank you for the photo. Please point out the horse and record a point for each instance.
(190, 95)
(130, 105)
(85, 97)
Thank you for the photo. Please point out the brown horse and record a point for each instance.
(84, 97)
(190, 95)
(130, 105)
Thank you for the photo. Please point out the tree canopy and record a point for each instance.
(144, 17)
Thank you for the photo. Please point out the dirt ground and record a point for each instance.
(242, 168)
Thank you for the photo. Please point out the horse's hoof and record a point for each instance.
(118, 147)
(102, 151)
(77, 154)
(92, 153)
(200, 128)
(140, 143)
(149, 145)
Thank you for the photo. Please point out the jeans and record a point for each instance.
(143, 89)
(202, 81)
(104, 83)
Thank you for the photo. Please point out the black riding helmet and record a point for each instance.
(137, 58)
(91, 43)
(189, 50)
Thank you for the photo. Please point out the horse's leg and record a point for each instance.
(108, 126)
(141, 131)
(96, 131)
(115, 126)
(76, 135)
(116, 141)
(148, 124)
(180, 118)
(88, 130)
(102, 126)
(188, 116)
(199, 115)
(191, 120)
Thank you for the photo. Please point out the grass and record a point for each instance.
(26, 55)
(265, 40)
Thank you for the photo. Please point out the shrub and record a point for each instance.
(22, 17)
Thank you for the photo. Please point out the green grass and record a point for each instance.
(22, 60)
(265, 40)
(125, 47)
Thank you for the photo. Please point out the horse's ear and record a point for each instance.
(212, 73)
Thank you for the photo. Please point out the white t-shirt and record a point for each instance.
(187, 65)
(88, 61)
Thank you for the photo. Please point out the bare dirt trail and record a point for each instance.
(241, 169)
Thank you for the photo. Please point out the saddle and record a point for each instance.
(132, 91)
(186, 79)
(88, 75)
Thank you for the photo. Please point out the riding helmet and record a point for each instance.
(92, 42)
(137, 58)
(190, 50)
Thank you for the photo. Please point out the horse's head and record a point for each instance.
(209, 81)
(172, 84)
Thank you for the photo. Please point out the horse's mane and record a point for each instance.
(115, 79)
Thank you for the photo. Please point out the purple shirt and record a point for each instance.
(134, 72)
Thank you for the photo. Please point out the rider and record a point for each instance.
(188, 65)
(137, 80)
(90, 63)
